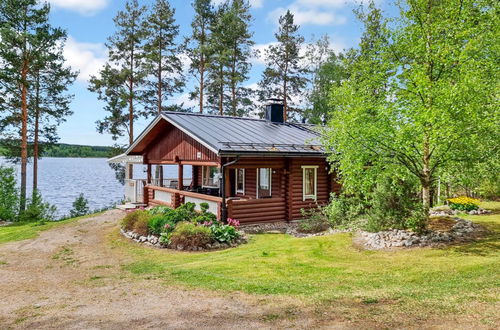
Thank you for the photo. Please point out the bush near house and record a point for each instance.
(182, 226)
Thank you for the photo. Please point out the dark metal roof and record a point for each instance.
(235, 135)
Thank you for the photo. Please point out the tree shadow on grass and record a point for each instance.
(487, 245)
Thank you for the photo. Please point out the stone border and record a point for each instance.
(463, 230)
(154, 240)
(290, 228)
(449, 212)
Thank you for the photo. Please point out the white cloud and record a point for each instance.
(260, 52)
(88, 58)
(184, 98)
(86, 7)
(253, 3)
(310, 15)
(256, 3)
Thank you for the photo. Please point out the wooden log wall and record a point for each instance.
(257, 210)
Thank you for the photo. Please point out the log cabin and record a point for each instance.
(251, 170)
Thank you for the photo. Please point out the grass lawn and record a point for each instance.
(328, 270)
(26, 230)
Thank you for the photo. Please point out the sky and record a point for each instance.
(90, 22)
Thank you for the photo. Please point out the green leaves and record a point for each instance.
(422, 94)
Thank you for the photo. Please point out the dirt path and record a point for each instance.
(69, 277)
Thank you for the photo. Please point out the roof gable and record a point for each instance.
(226, 135)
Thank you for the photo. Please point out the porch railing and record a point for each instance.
(174, 198)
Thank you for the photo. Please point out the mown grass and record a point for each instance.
(25, 230)
(330, 268)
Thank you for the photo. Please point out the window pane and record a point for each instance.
(309, 189)
(210, 176)
(264, 182)
(240, 177)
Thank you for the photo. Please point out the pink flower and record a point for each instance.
(233, 223)
(167, 225)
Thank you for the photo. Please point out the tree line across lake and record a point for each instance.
(64, 150)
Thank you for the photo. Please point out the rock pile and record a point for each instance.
(462, 230)
(441, 212)
(155, 241)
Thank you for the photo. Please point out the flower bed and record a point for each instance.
(181, 229)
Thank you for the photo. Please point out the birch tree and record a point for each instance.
(422, 95)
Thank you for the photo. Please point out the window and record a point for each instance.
(240, 180)
(263, 182)
(210, 177)
(309, 182)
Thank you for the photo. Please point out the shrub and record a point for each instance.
(9, 200)
(345, 211)
(141, 225)
(80, 207)
(38, 210)
(131, 218)
(315, 221)
(464, 203)
(159, 224)
(224, 233)
(160, 210)
(190, 235)
(392, 205)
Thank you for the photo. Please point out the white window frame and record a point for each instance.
(239, 191)
(315, 195)
(270, 181)
(203, 178)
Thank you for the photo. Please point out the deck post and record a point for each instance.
(149, 173)
(180, 184)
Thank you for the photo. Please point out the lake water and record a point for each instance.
(61, 180)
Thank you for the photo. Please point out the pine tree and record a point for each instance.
(284, 76)
(26, 36)
(196, 46)
(120, 83)
(240, 52)
(162, 58)
(230, 49)
(218, 47)
(50, 99)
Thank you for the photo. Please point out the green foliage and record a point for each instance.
(161, 57)
(315, 220)
(73, 150)
(224, 233)
(421, 97)
(345, 211)
(190, 235)
(285, 76)
(158, 224)
(393, 204)
(80, 206)
(37, 210)
(9, 199)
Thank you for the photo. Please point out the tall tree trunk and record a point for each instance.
(160, 86)
(221, 92)
(24, 134)
(285, 103)
(426, 175)
(36, 133)
(233, 83)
